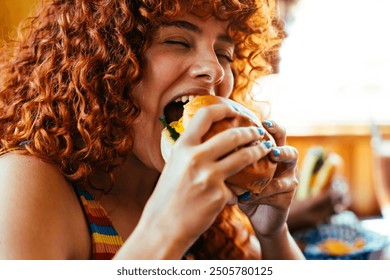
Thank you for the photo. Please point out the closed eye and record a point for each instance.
(176, 42)
(227, 57)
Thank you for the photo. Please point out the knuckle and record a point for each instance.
(191, 157)
(294, 183)
(209, 111)
(196, 156)
(282, 130)
(294, 152)
(219, 197)
(204, 111)
(203, 180)
(208, 183)
(235, 135)
(249, 154)
(287, 184)
(280, 184)
(253, 133)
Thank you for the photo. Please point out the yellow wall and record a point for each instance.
(11, 13)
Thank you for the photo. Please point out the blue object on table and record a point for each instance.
(373, 242)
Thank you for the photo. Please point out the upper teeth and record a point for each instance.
(185, 98)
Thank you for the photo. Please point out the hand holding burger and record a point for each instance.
(253, 178)
(271, 175)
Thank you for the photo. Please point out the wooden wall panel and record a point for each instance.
(354, 146)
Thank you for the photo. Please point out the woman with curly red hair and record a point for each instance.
(81, 171)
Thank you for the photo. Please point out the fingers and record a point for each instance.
(278, 193)
(228, 140)
(277, 132)
(284, 183)
(231, 197)
(284, 154)
(224, 142)
(203, 119)
(237, 161)
(222, 149)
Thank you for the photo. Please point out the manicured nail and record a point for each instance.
(276, 152)
(245, 196)
(268, 123)
(267, 144)
(261, 131)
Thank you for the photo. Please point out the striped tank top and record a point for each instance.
(106, 241)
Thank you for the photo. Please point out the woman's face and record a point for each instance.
(188, 56)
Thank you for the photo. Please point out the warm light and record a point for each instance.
(335, 66)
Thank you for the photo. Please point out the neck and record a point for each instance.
(134, 182)
(133, 185)
(134, 179)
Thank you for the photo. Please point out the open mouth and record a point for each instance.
(174, 110)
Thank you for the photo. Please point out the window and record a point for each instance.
(335, 65)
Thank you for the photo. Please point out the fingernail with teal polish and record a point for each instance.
(268, 123)
(268, 144)
(245, 196)
(276, 152)
(261, 131)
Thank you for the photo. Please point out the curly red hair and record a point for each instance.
(66, 83)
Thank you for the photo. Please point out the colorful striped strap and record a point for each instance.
(106, 241)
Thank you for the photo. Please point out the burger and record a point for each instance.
(253, 178)
(319, 167)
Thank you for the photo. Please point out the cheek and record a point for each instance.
(231, 80)
(228, 84)
(160, 67)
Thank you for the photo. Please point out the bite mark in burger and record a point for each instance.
(253, 178)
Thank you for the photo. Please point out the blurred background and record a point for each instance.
(331, 84)
(11, 13)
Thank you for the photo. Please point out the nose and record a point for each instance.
(207, 68)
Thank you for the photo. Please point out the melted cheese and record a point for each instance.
(178, 126)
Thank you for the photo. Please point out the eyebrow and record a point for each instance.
(194, 28)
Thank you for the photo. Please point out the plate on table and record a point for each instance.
(339, 242)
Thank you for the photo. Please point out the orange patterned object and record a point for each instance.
(338, 247)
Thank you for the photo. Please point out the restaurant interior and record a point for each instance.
(331, 91)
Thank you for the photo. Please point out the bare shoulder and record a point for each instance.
(29, 175)
(25, 165)
(41, 210)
